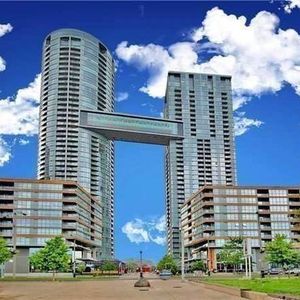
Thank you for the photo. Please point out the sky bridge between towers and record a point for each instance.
(132, 128)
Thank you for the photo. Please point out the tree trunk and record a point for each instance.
(53, 276)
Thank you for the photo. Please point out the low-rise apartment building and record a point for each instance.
(215, 214)
(34, 211)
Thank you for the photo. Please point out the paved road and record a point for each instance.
(107, 290)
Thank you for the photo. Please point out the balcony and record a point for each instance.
(263, 203)
(6, 224)
(208, 228)
(264, 211)
(6, 232)
(6, 188)
(71, 225)
(7, 206)
(69, 208)
(6, 216)
(296, 203)
(264, 220)
(266, 236)
(295, 236)
(295, 227)
(70, 215)
(208, 220)
(265, 228)
(7, 197)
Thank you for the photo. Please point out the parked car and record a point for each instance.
(275, 271)
(165, 274)
(295, 271)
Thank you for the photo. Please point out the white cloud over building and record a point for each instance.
(260, 57)
(290, 5)
(146, 231)
(4, 29)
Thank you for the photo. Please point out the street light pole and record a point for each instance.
(74, 259)
(141, 264)
(142, 282)
(14, 244)
(245, 257)
(182, 253)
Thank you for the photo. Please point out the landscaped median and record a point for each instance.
(257, 289)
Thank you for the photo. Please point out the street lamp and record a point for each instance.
(142, 282)
(141, 264)
(74, 256)
(182, 252)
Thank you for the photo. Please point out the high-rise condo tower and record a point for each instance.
(206, 155)
(77, 74)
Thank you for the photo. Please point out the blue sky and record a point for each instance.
(264, 62)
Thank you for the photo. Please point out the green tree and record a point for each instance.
(198, 265)
(232, 253)
(132, 265)
(54, 257)
(168, 263)
(36, 260)
(109, 266)
(80, 267)
(280, 252)
(5, 253)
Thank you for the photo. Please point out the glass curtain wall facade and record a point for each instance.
(77, 73)
(216, 213)
(34, 211)
(206, 155)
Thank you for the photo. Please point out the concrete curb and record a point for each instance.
(243, 293)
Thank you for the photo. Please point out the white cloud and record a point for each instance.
(260, 56)
(5, 152)
(160, 225)
(135, 231)
(2, 64)
(158, 60)
(122, 96)
(4, 29)
(19, 114)
(290, 5)
(23, 142)
(159, 240)
(146, 231)
(242, 124)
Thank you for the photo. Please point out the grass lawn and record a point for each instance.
(267, 285)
